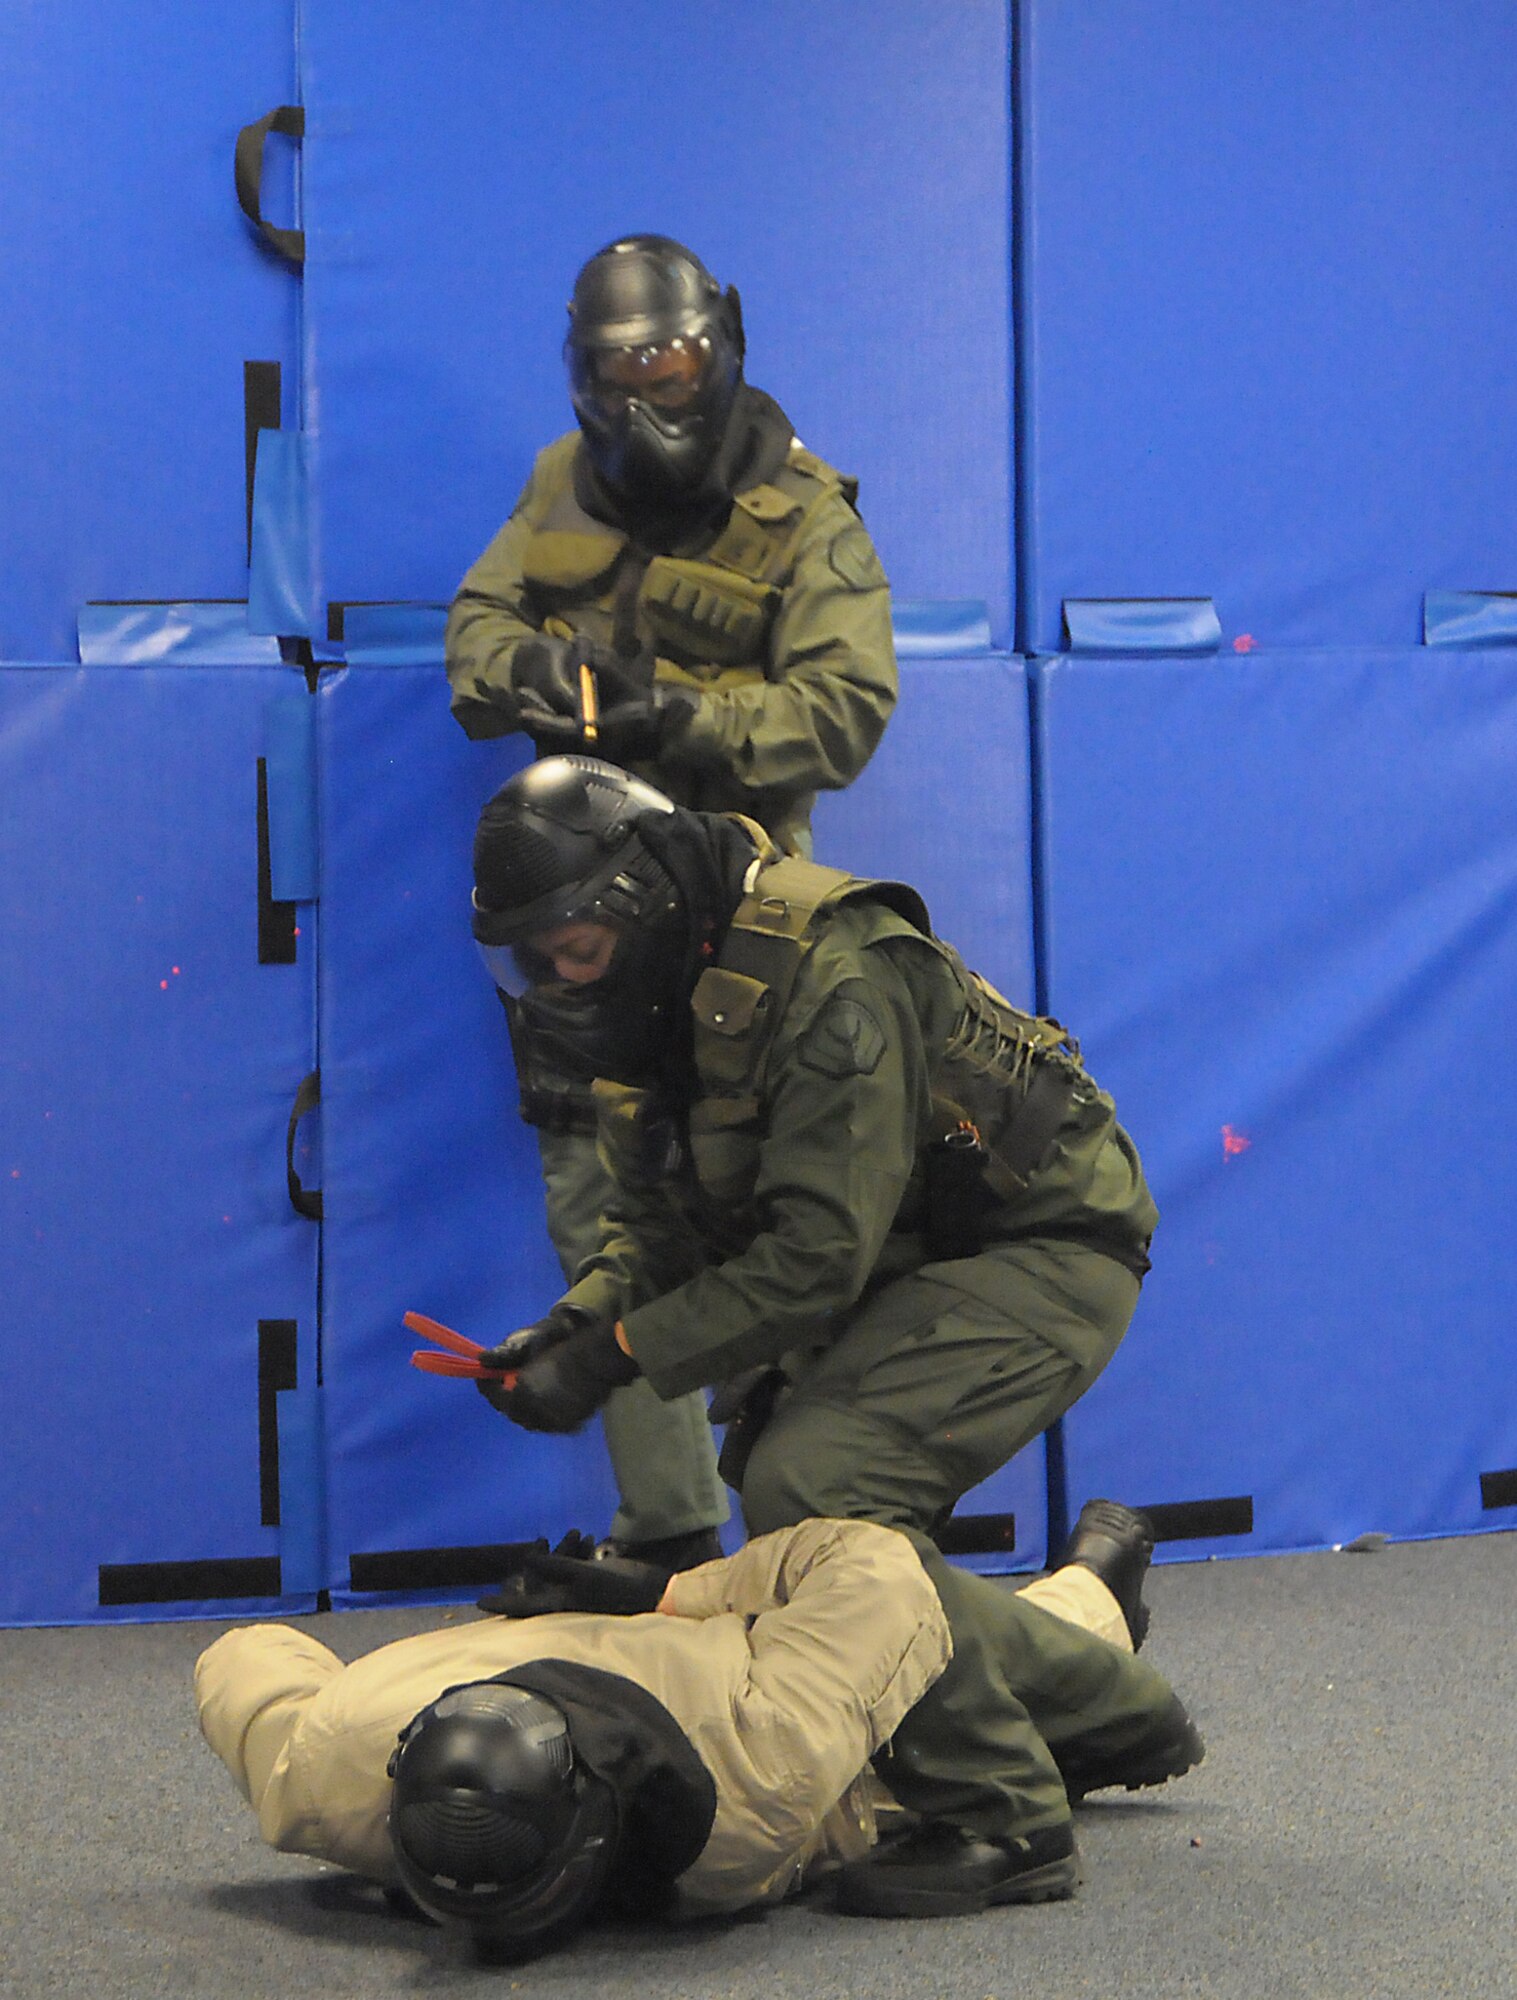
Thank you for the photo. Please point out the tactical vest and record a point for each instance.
(707, 618)
(1005, 1076)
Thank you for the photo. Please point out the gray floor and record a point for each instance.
(1350, 1834)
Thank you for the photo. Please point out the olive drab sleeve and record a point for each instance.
(646, 1246)
(847, 1094)
(813, 723)
(488, 619)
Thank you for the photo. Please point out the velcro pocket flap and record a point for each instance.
(730, 1014)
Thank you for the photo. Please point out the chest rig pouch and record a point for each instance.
(713, 613)
(708, 618)
(1002, 1087)
(739, 1002)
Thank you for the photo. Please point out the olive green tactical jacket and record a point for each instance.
(779, 1214)
(793, 696)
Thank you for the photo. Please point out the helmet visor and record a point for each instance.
(667, 375)
(570, 955)
(515, 968)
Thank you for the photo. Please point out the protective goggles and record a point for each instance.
(667, 375)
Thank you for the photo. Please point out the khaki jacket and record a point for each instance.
(787, 1666)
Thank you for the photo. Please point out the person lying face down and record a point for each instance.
(517, 1776)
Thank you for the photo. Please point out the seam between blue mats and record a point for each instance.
(1023, 457)
(1025, 596)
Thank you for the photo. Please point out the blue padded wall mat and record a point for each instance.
(160, 1369)
(945, 804)
(1280, 908)
(1268, 280)
(432, 1191)
(121, 448)
(846, 168)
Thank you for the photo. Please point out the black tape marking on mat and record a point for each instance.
(428, 1569)
(1498, 1489)
(276, 921)
(978, 1535)
(189, 1582)
(260, 412)
(276, 1371)
(1199, 1520)
(339, 607)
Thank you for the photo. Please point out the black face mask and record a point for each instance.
(753, 448)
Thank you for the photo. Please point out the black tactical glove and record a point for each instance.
(637, 730)
(564, 1380)
(545, 697)
(545, 673)
(514, 1352)
(574, 1577)
(619, 677)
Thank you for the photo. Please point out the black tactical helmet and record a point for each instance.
(655, 358)
(495, 1822)
(560, 843)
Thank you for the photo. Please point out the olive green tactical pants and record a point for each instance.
(663, 1454)
(927, 1391)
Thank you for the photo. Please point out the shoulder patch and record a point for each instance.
(844, 1040)
(853, 558)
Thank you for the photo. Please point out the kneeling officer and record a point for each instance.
(887, 1213)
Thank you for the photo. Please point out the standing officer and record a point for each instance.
(846, 1170)
(688, 592)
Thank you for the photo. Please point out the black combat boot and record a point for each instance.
(1149, 1750)
(938, 1870)
(1115, 1543)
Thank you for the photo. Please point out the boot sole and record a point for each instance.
(1054, 1882)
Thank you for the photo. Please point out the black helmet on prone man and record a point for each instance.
(495, 1824)
(524, 1805)
(597, 905)
(655, 359)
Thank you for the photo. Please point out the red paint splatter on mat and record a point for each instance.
(1234, 1143)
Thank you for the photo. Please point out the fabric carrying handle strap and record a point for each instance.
(289, 119)
(305, 1201)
